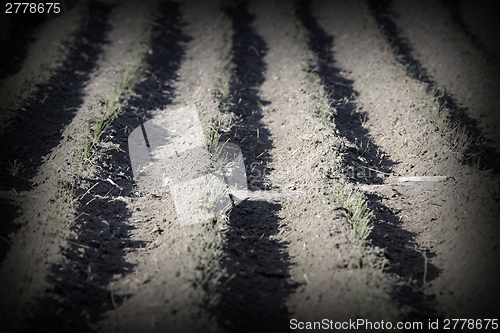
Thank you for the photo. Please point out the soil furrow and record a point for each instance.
(478, 23)
(49, 209)
(39, 127)
(435, 53)
(15, 38)
(29, 53)
(311, 233)
(438, 216)
(166, 286)
(367, 164)
(103, 232)
(253, 294)
(37, 132)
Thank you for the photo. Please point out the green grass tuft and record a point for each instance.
(358, 213)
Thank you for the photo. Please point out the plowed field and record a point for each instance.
(369, 132)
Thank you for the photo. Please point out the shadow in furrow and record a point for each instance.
(406, 261)
(480, 151)
(10, 211)
(254, 292)
(96, 254)
(163, 60)
(387, 233)
(364, 158)
(18, 34)
(38, 126)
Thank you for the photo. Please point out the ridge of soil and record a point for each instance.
(101, 236)
(256, 287)
(369, 164)
(36, 134)
(478, 23)
(459, 70)
(37, 129)
(468, 203)
(481, 151)
(164, 289)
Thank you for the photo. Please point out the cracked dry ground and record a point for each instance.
(323, 98)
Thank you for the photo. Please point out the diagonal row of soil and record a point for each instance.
(365, 163)
(257, 264)
(39, 127)
(453, 223)
(114, 217)
(37, 132)
(479, 23)
(30, 48)
(35, 129)
(164, 289)
(434, 51)
(31, 267)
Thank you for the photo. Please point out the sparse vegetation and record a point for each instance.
(221, 87)
(427, 100)
(217, 128)
(110, 110)
(458, 136)
(214, 191)
(358, 213)
(322, 106)
(41, 60)
(58, 204)
(206, 247)
(373, 301)
(351, 200)
(116, 96)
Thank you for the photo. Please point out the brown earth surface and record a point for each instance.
(323, 98)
